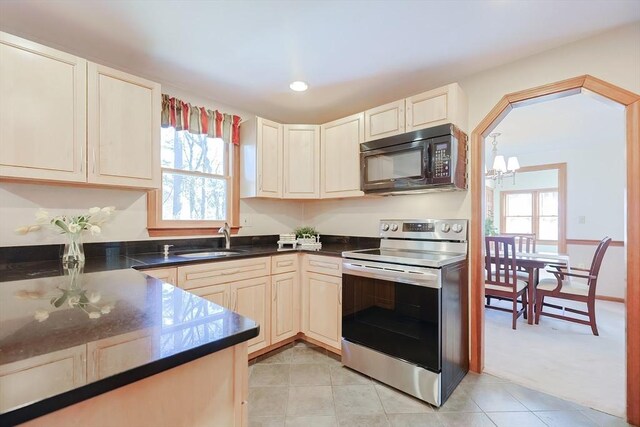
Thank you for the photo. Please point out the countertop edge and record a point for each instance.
(88, 391)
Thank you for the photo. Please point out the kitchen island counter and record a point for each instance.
(71, 337)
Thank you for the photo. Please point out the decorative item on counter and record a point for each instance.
(308, 238)
(72, 227)
(287, 239)
(73, 294)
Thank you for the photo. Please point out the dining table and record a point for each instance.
(532, 262)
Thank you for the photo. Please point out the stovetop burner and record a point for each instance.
(417, 242)
(407, 257)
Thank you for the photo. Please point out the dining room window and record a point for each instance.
(531, 212)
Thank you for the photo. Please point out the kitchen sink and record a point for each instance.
(208, 254)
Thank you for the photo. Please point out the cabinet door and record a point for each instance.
(117, 354)
(439, 106)
(301, 162)
(123, 129)
(42, 112)
(22, 382)
(251, 298)
(218, 294)
(168, 275)
(340, 157)
(215, 273)
(269, 152)
(324, 308)
(385, 120)
(284, 308)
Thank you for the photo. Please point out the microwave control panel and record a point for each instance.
(441, 160)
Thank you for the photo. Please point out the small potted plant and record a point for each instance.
(308, 237)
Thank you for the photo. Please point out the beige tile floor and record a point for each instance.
(302, 385)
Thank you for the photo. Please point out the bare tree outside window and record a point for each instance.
(195, 176)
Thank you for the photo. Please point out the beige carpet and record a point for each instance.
(561, 358)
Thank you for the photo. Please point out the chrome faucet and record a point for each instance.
(226, 230)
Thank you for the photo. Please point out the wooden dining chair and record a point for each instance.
(501, 280)
(574, 290)
(525, 243)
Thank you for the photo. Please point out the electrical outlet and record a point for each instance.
(582, 219)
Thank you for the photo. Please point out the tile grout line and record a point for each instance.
(384, 411)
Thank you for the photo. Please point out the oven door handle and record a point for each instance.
(394, 273)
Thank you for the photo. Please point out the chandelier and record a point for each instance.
(499, 168)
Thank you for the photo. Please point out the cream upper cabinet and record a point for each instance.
(251, 298)
(340, 157)
(261, 149)
(63, 119)
(301, 162)
(42, 112)
(385, 120)
(447, 104)
(123, 128)
(285, 310)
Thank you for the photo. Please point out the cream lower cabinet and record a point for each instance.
(322, 299)
(340, 157)
(243, 286)
(168, 275)
(219, 294)
(117, 354)
(251, 298)
(21, 381)
(42, 112)
(284, 306)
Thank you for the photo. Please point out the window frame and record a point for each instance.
(158, 227)
(535, 214)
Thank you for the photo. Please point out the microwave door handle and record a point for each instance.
(428, 172)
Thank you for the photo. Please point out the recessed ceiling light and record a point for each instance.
(299, 86)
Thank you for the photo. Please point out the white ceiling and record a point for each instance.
(353, 54)
(575, 122)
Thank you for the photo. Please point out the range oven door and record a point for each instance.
(399, 167)
(393, 311)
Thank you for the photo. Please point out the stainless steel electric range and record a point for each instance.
(404, 307)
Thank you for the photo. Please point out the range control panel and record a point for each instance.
(424, 229)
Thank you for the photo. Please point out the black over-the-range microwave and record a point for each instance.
(432, 159)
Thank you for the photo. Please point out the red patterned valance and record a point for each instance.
(184, 116)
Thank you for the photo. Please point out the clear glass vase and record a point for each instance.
(73, 250)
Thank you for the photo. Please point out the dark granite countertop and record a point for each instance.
(76, 312)
(178, 326)
(116, 260)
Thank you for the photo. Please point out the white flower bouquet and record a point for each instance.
(72, 227)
